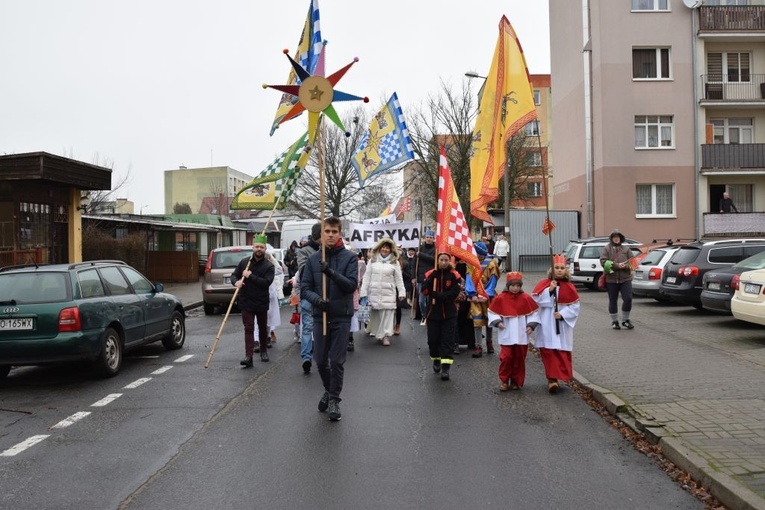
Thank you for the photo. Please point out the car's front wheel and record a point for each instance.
(109, 360)
(4, 369)
(177, 334)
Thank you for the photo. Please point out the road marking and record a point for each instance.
(107, 400)
(71, 420)
(136, 383)
(162, 370)
(15, 450)
(145, 357)
(184, 358)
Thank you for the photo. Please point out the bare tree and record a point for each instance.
(523, 167)
(218, 193)
(343, 196)
(444, 118)
(97, 199)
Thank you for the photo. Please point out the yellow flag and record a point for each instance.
(506, 106)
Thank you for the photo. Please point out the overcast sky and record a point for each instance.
(151, 85)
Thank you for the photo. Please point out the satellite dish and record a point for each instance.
(692, 4)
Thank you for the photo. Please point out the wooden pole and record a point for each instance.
(322, 198)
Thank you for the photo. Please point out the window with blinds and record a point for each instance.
(728, 67)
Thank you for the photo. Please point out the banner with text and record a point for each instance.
(390, 218)
(366, 235)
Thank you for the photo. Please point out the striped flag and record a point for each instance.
(385, 144)
(307, 55)
(548, 226)
(634, 262)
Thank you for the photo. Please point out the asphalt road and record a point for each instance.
(224, 437)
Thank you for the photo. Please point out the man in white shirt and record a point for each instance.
(501, 250)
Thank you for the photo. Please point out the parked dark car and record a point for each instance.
(88, 310)
(719, 285)
(684, 273)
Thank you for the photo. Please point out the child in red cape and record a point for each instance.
(515, 314)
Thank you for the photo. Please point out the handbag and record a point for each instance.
(602, 281)
(295, 319)
(362, 314)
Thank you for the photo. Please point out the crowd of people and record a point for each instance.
(338, 291)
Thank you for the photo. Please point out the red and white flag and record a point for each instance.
(548, 226)
(452, 231)
(404, 206)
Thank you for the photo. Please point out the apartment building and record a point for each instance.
(657, 111)
(201, 187)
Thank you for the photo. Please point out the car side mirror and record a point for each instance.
(158, 287)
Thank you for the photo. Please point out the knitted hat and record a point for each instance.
(259, 239)
(481, 249)
(515, 277)
(429, 232)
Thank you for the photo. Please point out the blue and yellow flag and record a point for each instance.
(274, 185)
(385, 144)
(307, 55)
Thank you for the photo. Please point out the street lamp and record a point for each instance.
(506, 184)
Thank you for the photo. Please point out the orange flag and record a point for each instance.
(506, 106)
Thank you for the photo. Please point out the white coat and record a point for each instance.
(380, 282)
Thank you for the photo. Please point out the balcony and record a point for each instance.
(733, 157)
(727, 89)
(734, 225)
(732, 18)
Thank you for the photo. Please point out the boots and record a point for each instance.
(436, 365)
(552, 386)
(478, 352)
(489, 347)
(445, 371)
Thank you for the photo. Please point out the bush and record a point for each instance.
(97, 244)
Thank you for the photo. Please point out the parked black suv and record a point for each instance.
(683, 274)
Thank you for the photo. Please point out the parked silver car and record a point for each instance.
(647, 277)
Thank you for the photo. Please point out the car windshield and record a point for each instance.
(28, 288)
(753, 262)
(653, 257)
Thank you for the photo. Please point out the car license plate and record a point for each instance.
(17, 324)
(227, 279)
(671, 279)
(752, 288)
(714, 286)
(638, 276)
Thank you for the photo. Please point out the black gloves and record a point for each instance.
(323, 305)
(324, 267)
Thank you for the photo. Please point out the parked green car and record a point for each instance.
(92, 310)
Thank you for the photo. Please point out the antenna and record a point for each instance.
(692, 4)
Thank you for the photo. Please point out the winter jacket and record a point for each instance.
(382, 279)
(253, 296)
(341, 282)
(442, 286)
(616, 253)
(426, 260)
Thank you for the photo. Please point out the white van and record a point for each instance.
(294, 230)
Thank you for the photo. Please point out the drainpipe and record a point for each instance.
(696, 144)
(588, 148)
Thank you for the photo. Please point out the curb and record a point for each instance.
(727, 490)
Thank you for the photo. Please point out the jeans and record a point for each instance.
(306, 324)
(614, 289)
(423, 301)
(330, 353)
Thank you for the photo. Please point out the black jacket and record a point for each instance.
(341, 283)
(442, 286)
(426, 260)
(253, 296)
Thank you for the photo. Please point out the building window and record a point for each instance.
(537, 97)
(733, 131)
(729, 67)
(120, 233)
(741, 194)
(533, 158)
(654, 131)
(650, 63)
(534, 189)
(655, 200)
(650, 5)
(532, 128)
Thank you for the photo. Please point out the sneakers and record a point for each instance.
(615, 325)
(503, 386)
(246, 362)
(423, 322)
(478, 352)
(385, 341)
(334, 410)
(628, 324)
(307, 366)
(351, 347)
(324, 402)
(436, 365)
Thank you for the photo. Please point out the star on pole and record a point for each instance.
(316, 94)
